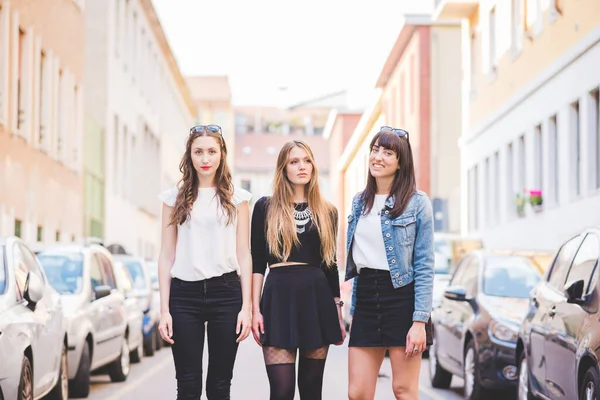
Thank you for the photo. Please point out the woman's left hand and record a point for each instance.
(343, 330)
(244, 325)
(416, 339)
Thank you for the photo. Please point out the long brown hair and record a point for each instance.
(281, 226)
(188, 185)
(404, 184)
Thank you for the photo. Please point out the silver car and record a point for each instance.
(33, 337)
(98, 335)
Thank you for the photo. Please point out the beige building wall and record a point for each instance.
(446, 111)
(41, 119)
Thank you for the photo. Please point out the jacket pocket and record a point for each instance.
(405, 229)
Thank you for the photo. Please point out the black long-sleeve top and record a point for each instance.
(308, 252)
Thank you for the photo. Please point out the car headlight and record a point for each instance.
(503, 331)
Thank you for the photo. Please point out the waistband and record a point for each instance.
(374, 272)
(228, 276)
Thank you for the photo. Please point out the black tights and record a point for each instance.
(281, 369)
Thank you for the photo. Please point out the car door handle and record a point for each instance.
(552, 311)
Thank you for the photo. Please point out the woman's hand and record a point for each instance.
(165, 327)
(258, 326)
(244, 324)
(416, 339)
(343, 330)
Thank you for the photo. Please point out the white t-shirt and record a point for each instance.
(206, 246)
(368, 249)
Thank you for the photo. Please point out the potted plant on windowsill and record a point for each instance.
(536, 200)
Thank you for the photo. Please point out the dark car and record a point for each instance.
(477, 324)
(559, 342)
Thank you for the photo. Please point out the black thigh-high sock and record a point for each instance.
(282, 378)
(310, 378)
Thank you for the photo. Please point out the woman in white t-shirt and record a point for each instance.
(204, 251)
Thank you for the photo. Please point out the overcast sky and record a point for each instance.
(310, 47)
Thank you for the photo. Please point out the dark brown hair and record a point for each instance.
(404, 184)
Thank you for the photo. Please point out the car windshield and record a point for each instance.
(64, 271)
(441, 263)
(509, 277)
(2, 272)
(137, 274)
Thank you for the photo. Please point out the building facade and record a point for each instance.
(212, 97)
(417, 90)
(531, 142)
(139, 108)
(41, 120)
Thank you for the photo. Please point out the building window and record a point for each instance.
(495, 187)
(60, 132)
(247, 184)
(115, 155)
(517, 26)
(21, 81)
(487, 195)
(575, 150)
(40, 233)
(553, 160)
(117, 26)
(492, 43)
(411, 82)
(402, 107)
(44, 97)
(18, 225)
(534, 17)
(57, 236)
(595, 139)
(538, 158)
(521, 166)
(474, 61)
(510, 189)
(473, 178)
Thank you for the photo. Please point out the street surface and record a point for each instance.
(154, 378)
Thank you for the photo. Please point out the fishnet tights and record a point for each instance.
(281, 365)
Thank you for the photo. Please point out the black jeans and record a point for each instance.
(216, 301)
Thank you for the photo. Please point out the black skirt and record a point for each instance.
(298, 309)
(383, 315)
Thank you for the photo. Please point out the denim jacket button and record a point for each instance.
(387, 211)
(390, 248)
(394, 262)
(387, 235)
(387, 222)
(397, 274)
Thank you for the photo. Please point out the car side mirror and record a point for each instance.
(101, 291)
(574, 292)
(456, 293)
(34, 289)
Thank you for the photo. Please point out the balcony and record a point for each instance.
(454, 9)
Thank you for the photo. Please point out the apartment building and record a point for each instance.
(41, 119)
(139, 111)
(531, 138)
(417, 90)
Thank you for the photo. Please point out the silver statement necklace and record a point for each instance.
(302, 218)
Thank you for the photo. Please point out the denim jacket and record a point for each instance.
(408, 243)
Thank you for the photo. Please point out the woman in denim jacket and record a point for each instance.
(390, 251)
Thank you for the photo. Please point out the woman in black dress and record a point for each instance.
(294, 233)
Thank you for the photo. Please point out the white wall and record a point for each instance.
(571, 213)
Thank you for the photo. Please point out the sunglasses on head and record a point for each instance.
(400, 132)
(202, 128)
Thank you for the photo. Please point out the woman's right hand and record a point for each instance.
(258, 326)
(165, 327)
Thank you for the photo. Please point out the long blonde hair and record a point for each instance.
(281, 226)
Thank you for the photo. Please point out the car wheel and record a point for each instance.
(473, 389)
(589, 385)
(26, 381)
(439, 377)
(61, 390)
(150, 343)
(524, 388)
(79, 387)
(158, 339)
(119, 368)
(136, 355)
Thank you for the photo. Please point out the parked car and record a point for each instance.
(475, 328)
(134, 311)
(152, 268)
(33, 330)
(97, 333)
(559, 342)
